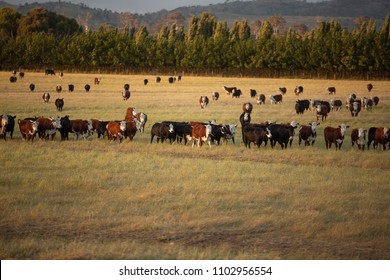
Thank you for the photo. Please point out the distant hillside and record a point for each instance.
(294, 12)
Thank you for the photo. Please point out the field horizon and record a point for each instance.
(99, 200)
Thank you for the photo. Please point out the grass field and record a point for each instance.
(100, 200)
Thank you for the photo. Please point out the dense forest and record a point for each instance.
(43, 39)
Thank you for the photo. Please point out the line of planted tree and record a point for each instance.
(43, 39)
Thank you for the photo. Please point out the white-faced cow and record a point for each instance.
(28, 129)
(46, 97)
(132, 127)
(308, 133)
(281, 133)
(358, 136)
(298, 90)
(335, 135)
(201, 133)
(380, 135)
(47, 127)
(7, 124)
(260, 99)
(203, 101)
(275, 99)
(59, 103)
(321, 112)
(130, 113)
(142, 118)
(215, 96)
(236, 93)
(58, 89)
(336, 104)
(247, 107)
(162, 131)
(355, 107)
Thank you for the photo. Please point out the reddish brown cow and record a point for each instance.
(28, 129)
(116, 130)
(335, 135)
(308, 133)
(80, 127)
(203, 101)
(247, 107)
(358, 136)
(322, 112)
(93, 125)
(46, 97)
(201, 133)
(131, 128)
(130, 113)
(381, 136)
(229, 90)
(48, 127)
(97, 81)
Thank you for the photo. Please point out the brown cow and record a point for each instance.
(370, 87)
(380, 135)
(322, 112)
(358, 136)
(80, 127)
(93, 125)
(201, 133)
(97, 81)
(203, 101)
(48, 127)
(126, 95)
(308, 133)
(130, 113)
(46, 97)
(229, 90)
(116, 130)
(28, 129)
(282, 90)
(335, 135)
(331, 90)
(247, 107)
(131, 128)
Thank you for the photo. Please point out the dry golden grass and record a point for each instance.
(101, 200)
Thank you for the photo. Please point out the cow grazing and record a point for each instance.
(321, 112)
(126, 95)
(275, 99)
(335, 135)
(158, 80)
(260, 99)
(59, 104)
(247, 107)
(28, 129)
(7, 124)
(116, 130)
(282, 90)
(146, 81)
(370, 87)
(355, 108)
(201, 133)
(171, 80)
(87, 88)
(58, 89)
(298, 90)
(32, 87)
(229, 90)
(380, 135)
(375, 100)
(308, 133)
(215, 96)
(49, 72)
(48, 127)
(70, 88)
(80, 127)
(358, 136)
(203, 101)
(336, 104)
(46, 97)
(13, 79)
(66, 127)
(162, 131)
(331, 90)
(253, 93)
(142, 119)
(96, 81)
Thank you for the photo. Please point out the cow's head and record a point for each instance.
(343, 129)
(386, 132)
(314, 126)
(122, 125)
(56, 122)
(232, 128)
(171, 129)
(208, 130)
(34, 127)
(140, 126)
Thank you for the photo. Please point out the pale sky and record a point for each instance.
(135, 6)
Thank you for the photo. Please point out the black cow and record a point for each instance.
(162, 131)
(254, 133)
(13, 79)
(260, 99)
(9, 126)
(87, 88)
(59, 103)
(236, 93)
(126, 87)
(70, 88)
(49, 72)
(331, 90)
(146, 81)
(253, 93)
(182, 130)
(281, 133)
(66, 127)
(32, 87)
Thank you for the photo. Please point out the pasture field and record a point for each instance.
(99, 200)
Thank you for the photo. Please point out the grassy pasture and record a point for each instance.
(101, 200)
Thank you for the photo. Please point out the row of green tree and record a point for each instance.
(205, 44)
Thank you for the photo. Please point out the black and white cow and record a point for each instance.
(358, 136)
(275, 99)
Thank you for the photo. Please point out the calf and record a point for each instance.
(59, 103)
(28, 129)
(116, 130)
(336, 104)
(335, 135)
(322, 112)
(260, 99)
(278, 98)
(46, 97)
(308, 133)
(201, 133)
(162, 131)
(203, 101)
(380, 135)
(358, 136)
(247, 108)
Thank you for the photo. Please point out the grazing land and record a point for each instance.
(99, 200)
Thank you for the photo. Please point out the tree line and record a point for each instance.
(44, 39)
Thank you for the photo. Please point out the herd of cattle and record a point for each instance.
(210, 132)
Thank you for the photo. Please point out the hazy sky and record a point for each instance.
(135, 6)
